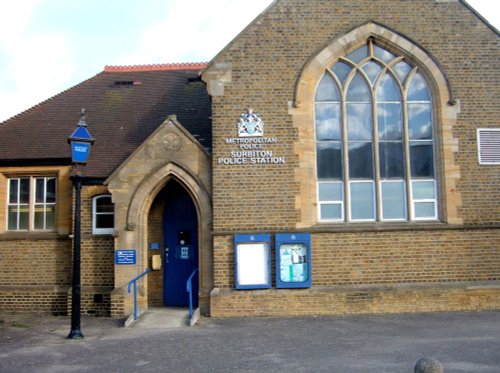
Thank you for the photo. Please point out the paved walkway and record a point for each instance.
(462, 342)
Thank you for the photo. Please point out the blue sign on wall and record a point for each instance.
(125, 257)
(293, 260)
(80, 151)
(154, 246)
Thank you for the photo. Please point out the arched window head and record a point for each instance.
(375, 140)
(103, 215)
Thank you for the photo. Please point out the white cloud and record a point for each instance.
(14, 16)
(38, 64)
(195, 30)
(489, 9)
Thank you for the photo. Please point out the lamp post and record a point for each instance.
(80, 141)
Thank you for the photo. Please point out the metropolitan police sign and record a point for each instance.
(80, 151)
(251, 143)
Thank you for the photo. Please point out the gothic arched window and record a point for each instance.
(375, 140)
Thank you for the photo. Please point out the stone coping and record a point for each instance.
(467, 286)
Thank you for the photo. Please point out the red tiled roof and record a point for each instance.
(123, 107)
(157, 67)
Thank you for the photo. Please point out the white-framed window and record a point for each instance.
(375, 140)
(31, 203)
(103, 215)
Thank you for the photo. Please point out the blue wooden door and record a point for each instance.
(180, 232)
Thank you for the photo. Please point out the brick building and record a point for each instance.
(369, 130)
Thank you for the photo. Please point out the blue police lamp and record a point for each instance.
(80, 141)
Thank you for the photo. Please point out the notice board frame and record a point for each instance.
(252, 261)
(300, 239)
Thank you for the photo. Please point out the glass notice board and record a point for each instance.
(252, 261)
(293, 260)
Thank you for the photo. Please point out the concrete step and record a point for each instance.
(159, 318)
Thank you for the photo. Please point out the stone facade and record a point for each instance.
(169, 153)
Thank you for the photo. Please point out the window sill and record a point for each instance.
(33, 235)
(384, 227)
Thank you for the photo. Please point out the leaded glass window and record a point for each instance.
(375, 139)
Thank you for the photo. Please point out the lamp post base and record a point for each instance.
(75, 334)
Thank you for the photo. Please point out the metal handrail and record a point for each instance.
(134, 282)
(189, 289)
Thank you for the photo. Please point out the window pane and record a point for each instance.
(328, 126)
(393, 200)
(331, 211)
(418, 90)
(25, 191)
(359, 54)
(341, 69)
(391, 160)
(421, 159)
(402, 69)
(360, 160)
(329, 159)
(13, 192)
(359, 122)
(39, 190)
(12, 218)
(50, 218)
(330, 192)
(39, 216)
(104, 221)
(390, 121)
(362, 203)
(358, 89)
(372, 69)
(51, 190)
(383, 54)
(425, 210)
(23, 218)
(388, 89)
(420, 121)
(327, 89)
(423, 190)
(104, 204)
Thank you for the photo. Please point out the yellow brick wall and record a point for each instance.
(261, 70)
(266, 62)
(36, 267)
(343, 301)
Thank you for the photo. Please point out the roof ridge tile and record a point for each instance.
(156, 67)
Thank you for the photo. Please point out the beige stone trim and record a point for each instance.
(170, 152)
(446, 110)
(217, 76)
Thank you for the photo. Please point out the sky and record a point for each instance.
(48, 46)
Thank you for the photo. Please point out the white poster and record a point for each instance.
(253, 266)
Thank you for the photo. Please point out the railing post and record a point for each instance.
(189, 289)
(133, 283)
(135, 300)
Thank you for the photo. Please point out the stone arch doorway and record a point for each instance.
(173, 233)
(135, 187)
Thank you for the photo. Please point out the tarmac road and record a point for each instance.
(462, 342)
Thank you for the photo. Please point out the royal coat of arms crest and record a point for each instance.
(250, 125)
